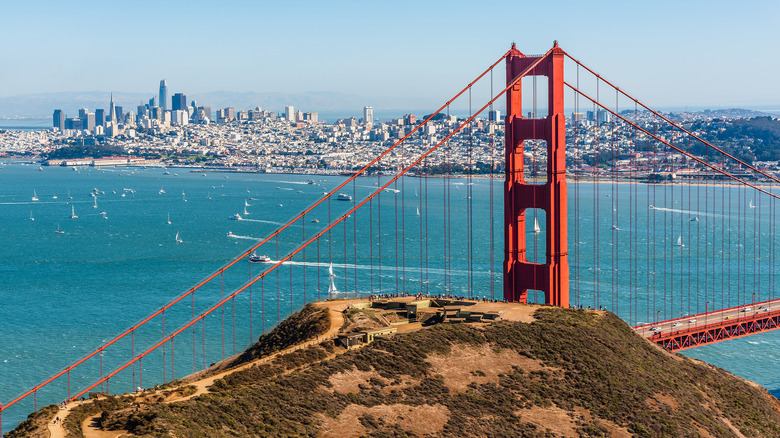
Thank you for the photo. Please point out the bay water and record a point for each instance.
(62, 295)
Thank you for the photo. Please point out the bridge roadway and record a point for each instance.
(714, 326)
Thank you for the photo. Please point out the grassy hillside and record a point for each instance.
(570, 373)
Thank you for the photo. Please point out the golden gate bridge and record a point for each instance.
(670, 232)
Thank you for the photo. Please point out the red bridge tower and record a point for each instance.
(552, 277)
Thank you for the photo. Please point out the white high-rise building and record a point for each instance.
(368, 115)
(289, 113)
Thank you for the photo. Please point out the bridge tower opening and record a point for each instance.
(520, 275)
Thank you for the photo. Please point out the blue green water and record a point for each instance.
(63, 295)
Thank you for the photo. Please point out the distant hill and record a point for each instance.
(568, 373)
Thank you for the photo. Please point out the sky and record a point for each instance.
(401, 53)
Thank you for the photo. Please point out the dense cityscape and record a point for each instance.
(169, 132)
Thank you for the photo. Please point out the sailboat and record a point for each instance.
(247, 204)
(178, 239)
(34, 196)
(169, 218)
(69, 197)
(161, 191)
(537, 229)
(58, 230)
(73, 213)
(751, 204)
(418, 211)
(245, 212)
(679, 242)
(95, 204)
(31, 216)
(183, 197)
(332, 278)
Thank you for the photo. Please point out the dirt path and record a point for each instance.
(55, 427)
(90, 429)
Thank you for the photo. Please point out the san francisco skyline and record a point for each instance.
(406, 55)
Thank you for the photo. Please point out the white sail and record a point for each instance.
(752, 205)
(73, 213)
(169, 218)
(679, 241)
(95, 204)
(537, 229)
(332, 278)
(418, 211)
(178, 240)
(34, 196)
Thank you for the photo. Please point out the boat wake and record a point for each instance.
(236, 236)
(688, 212)
(261, 221)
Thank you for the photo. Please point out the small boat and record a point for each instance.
(254, 258)
(393, 190)
(615, 227)
(310, 182)
(40, 169)
(183, 197)
(316, 221)
(695, 219)
(123, 195)
(236, 217)
(161, 191)
(344, 197)
(31, 216)
(58, 230)
(34, 196)
(178, 239)
(751, 204)
(679, 242)
(95, 204)
(73, 213)
(169, 218)
(537, 229)
(69, 197)
(229, 234)
(54, 197)
(652, 207)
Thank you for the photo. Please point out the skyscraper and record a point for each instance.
(100, 117)
(289, 113)
(179, 102)
(112, 110)
(368, 115)
(163, 101)
(59, 120)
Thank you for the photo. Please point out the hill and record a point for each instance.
(561, 372)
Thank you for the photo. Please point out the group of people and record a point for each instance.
(421, 296)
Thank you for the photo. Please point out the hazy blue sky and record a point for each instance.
(669, 53)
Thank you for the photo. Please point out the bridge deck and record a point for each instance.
(716, 326)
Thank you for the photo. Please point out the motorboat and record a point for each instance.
(344, 197)
(236, 217)
(254, 258)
